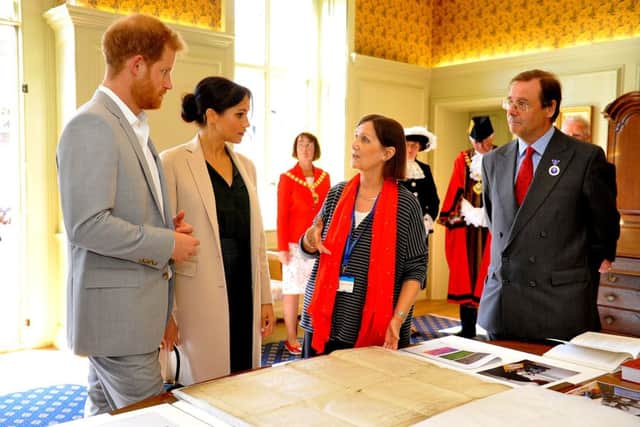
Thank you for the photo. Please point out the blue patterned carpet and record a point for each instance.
(65, 402)
(427, 328)
(43, 406)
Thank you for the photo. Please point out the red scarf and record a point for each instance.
(378, 305)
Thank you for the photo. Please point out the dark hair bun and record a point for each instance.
(189, 108)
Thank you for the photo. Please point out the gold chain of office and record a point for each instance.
(477, 187)
(312, 187)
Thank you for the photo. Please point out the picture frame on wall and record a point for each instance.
(583, 111)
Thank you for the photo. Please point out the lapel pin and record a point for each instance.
(554, 169)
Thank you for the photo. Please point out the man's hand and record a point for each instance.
(185, 247)
(605, 266)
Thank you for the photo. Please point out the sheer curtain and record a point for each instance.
(289, 65)
(10, 175)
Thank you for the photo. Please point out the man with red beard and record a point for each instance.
(121, 239)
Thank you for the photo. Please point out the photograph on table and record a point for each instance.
(527, 372)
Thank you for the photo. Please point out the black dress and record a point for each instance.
(232, 209)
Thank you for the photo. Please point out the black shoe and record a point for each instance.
(467, 334)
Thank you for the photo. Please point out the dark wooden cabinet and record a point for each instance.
(619, 293)
(619, 297)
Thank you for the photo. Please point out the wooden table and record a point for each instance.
(528, 347)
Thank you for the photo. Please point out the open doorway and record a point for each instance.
(451, 124)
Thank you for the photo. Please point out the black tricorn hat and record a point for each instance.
(481, 128)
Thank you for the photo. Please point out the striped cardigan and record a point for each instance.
(411, 263)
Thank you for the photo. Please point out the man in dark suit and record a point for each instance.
(550, 204)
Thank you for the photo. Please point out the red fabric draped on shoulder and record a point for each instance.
(378, 307)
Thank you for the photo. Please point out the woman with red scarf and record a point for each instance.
(371, 250)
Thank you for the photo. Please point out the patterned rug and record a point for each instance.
(43, 406)
(427, 328)
(65, 402)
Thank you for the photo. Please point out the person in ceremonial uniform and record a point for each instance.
(419, 178)
(467, 237)
(301, 192)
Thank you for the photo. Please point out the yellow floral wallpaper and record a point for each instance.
(435, 33)
(460, 31)
(197, 13)
(399, 30)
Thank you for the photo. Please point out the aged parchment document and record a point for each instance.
(357, 387)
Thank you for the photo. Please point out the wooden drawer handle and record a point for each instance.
(612, 277)
(609, 320)
(611, 297)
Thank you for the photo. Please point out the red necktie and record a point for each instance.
(525, 175)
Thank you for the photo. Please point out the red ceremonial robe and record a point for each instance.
(467, 248)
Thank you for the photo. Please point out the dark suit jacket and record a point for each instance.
(425, 190)
(539, 284)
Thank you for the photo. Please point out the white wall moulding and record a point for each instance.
(80, 16)
(393, 89)
(80, 66)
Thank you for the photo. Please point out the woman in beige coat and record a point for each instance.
(223, 299)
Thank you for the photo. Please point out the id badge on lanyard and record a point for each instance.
(346, 282)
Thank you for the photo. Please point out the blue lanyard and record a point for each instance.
(351, 241)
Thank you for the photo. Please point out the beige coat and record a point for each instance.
(201, 305)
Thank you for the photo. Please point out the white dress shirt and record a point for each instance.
(140, 127)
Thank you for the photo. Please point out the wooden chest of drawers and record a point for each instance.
(619, 297)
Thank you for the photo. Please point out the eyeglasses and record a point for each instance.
(519, 105)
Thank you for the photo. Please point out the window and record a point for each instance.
(278, 47)
(10, 173)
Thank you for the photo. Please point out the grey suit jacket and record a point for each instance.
(539, 284)
(119, 294)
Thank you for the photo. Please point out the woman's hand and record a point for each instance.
(268, 320)
(392, 336)
(171, 335)
(312, 238)
(284, 257)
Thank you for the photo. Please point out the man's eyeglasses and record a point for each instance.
(519, 105)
